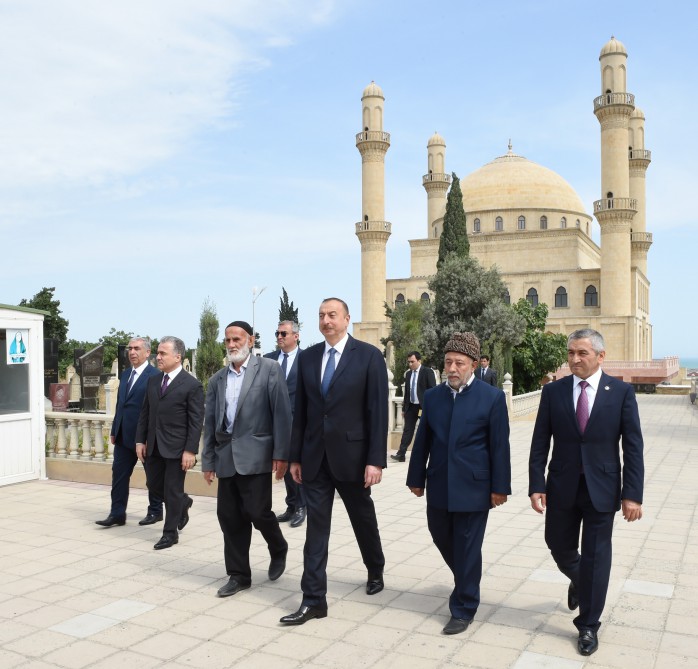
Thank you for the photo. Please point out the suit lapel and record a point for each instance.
(220, 411)
(344, 360)
(567, 387)
(603, 395)
(250, 373)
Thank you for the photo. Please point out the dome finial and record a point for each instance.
(510, 146)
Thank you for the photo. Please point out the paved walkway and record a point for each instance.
(75, 595)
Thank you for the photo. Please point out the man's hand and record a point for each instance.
(209, 476)
(140, 452)
(112, 438)
(296, 472)
(188, 461)
(280, 467)
(372, 475)
(631, 510)
(417, 491)
(538, 502)
(497, 500)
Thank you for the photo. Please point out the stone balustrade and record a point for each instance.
(608, 99)
(373, 136)
(79, 436)
(610, 203)
(436, 176)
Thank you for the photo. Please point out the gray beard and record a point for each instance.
(240, 356)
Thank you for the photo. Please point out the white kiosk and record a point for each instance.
(22, 423)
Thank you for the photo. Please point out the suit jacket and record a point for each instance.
(174, 420)
(292, 378)
(490, 376)
(425, 380)
(350, 425)
(614, 417)
(461, 450)
(262, 425)
(128, 407)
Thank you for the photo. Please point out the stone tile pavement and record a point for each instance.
(75, 595)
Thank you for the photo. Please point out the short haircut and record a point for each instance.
(416, 354)
(595, 337)
(294, 326)
(177, 345)
(336, 299)
(485, 357)
(146, 342)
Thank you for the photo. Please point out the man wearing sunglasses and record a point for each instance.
(287, 336)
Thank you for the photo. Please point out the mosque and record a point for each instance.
(530, 223)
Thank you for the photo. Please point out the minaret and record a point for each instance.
(373, 230)
(639, 162)
(436, 183)
(616, 210)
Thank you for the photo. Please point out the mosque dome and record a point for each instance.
(613, 46)
(436, 140)
(513, 182)
(373, 90)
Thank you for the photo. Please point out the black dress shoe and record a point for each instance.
(572, 597)
(232, 587)
(110, 521)
(184, 518)
(588, 642)
(303, 615)
(298, 517)
(277, 566)
(456, 625)
(150, 519)
(285, 516)
(397, 457)
(165, 542)
(374, 584)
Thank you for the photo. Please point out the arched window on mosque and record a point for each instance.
(507, 297)
(563, 222)
(476, 225)
(399, 299)
(561, 297)
(522, 223)
(579, 223)
(543, 222)
(425, 297)
(498, 224)
(532, 296)
(591, 297)
(587, 228)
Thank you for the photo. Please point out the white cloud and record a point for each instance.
(96, 90)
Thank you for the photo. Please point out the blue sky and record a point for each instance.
(158, 153)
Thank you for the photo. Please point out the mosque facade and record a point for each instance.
(530, 223)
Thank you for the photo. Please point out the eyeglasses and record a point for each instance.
(280, 333)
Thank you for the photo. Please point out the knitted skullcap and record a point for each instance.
(243, 325)
(464, 342)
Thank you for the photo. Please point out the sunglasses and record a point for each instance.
(280, 333)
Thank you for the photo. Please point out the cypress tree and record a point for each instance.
(454, 237)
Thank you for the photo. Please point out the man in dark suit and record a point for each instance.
(339, 443)
(248, 429)
(418, 379)
(462, 449)
(486, 373)
(586, 416)
(129, 401)
(287, 336)
(168, 433)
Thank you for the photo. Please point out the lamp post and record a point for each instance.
(256, 292)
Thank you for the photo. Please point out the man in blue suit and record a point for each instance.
(462, 450)
(129, 401)
(586, 416)
(339, 443)
(287, 335)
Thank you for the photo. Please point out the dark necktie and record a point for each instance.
(131, 381)
(283, 364)
(329, 373)
(583, 406)
(163, 387)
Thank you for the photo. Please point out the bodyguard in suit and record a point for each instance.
(462, 450)
(287, 336)
(168, 433)
(418, 379)
(339, 443)
(486, 373)
(586, 416)
(123, 435)
(248, 428)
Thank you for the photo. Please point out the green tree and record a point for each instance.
(454, 237)
(111, 343)
(210, 351)
(406, 334)
(539, 352)
(287, 312)
(55, 326)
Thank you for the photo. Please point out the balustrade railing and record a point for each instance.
(436, 176)
(639, 154)
(609, 203)
(79, 436)
(608, 99)
(372, 136)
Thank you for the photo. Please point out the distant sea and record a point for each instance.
(689, 363)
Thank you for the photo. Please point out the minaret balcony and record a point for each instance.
(436, 176)
(372, 136)
(611, 99)
(641, 238)
(373, 226)
(640, 154)
(615, 203)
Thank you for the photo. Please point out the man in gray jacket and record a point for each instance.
(247, 430)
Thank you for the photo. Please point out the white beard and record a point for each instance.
(240, 356)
